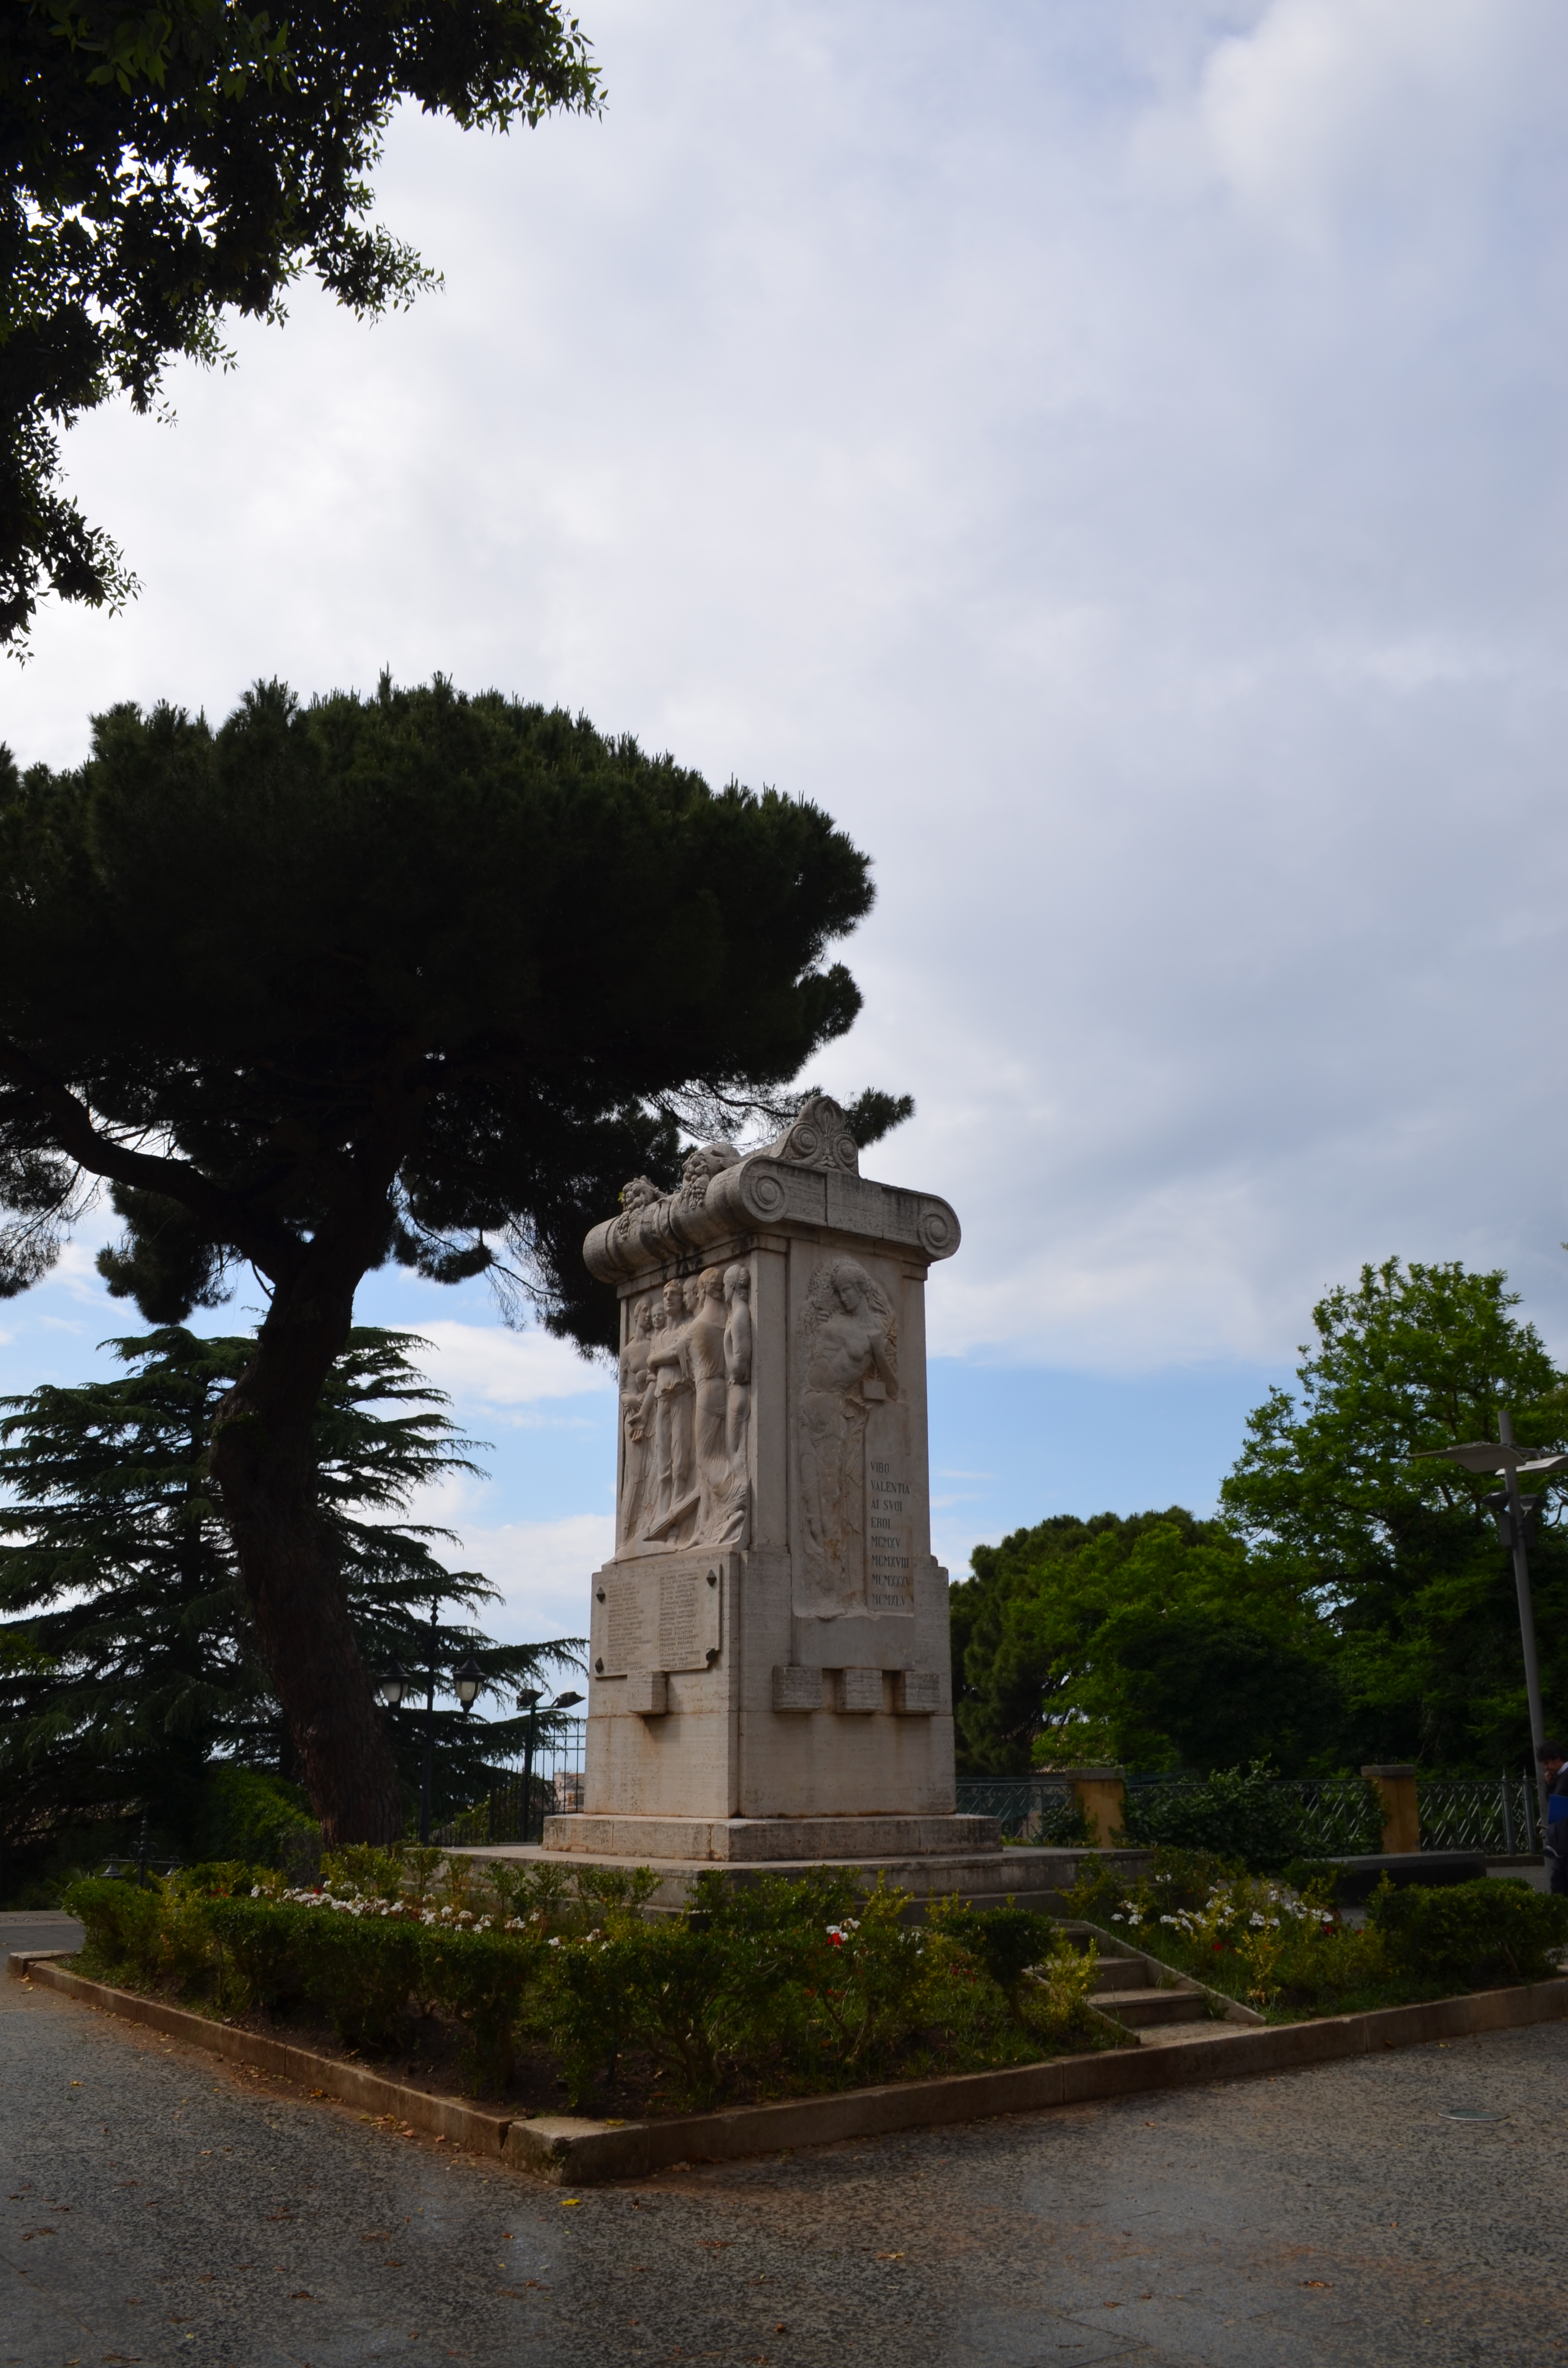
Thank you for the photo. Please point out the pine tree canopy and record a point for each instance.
(159, 167)
(127, 1666)
(419, 977)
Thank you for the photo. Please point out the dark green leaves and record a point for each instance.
(424, 967)
(163, 166)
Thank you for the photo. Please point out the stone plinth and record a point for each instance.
(768, 1663)
(768, 1842)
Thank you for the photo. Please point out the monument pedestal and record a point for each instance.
(769, 1679)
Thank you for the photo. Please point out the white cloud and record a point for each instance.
(542, 1569)
(1114, 459)
(503, 1368)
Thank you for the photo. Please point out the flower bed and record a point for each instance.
(544, 1986)
(1283, 1948)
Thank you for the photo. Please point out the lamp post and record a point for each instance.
(528, 1698)
(467, 1680)
(1509, 1508)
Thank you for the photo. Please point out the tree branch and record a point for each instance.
(229, 1219)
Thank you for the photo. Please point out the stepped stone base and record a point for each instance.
(771, 1841)
(1035, 1878)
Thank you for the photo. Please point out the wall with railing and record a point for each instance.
(1495, 1814)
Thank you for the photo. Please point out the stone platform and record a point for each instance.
(1035, 1878)
(768, 1842)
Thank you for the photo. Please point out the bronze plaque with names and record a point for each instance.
(657, 1616)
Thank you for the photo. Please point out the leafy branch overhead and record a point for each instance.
(165, 167)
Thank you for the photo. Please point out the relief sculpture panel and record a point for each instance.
(686, 1378)
(848, 1376)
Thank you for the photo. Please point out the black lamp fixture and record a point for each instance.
(565, 1701)
(467, 1678)
(530, 1697)
(391, 1688)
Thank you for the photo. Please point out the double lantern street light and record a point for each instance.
(467, 1680)
(1515, 1516)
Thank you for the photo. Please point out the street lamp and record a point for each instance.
(396, 1686)
(528, 1698)
(1512, 1521)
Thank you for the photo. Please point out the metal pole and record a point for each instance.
(1527, 1618)
(1508, 1816)
(141, 1854)
(429, 1731)
(528, 1776)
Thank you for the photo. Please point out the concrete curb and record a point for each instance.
(564, 2150)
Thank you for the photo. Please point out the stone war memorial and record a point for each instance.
(769, 1661)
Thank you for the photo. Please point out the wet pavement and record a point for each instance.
(155, 2207)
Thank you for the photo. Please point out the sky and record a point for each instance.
(1113, 459)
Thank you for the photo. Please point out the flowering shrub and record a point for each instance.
(781, 1986)
(1286, 1951)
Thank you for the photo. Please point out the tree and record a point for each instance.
(1403, 1556)
(160, 168)
(128, 1669)
(1152, 1640)
(421, 977)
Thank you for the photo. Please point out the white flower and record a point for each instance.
(1255, 1921)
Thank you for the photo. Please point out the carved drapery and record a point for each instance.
(849, 1364)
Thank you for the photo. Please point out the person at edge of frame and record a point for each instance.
(1553, 1762)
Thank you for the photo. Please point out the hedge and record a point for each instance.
(786, 1986)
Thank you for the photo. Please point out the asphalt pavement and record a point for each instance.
(155, 2207)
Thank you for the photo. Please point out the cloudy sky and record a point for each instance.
(1112, 458)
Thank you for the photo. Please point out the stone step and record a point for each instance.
(1137, 2008)
(1121, 1973)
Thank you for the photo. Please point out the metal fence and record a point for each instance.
(515, 1812)
(1028, 1810)
(1496, 1813)
(1339, 1817)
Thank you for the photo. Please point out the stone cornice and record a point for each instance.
(809, 1177)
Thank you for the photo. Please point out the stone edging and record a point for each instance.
(580, 2153)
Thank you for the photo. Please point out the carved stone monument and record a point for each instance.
(768, 1655)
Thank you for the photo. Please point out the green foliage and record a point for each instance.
(122, 1923)
(788, 1985)
(1472, 1935)
(1402, 1556)
(163, 168)
(1281, 1947)
(129, 1676)
(252, 1814)
(1248, 1817)
(1156, 1641)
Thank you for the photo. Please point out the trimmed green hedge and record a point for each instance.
(785, 1986)
(1476, 1935)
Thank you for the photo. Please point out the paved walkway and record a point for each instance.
(158, 2208)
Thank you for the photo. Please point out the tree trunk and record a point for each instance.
(263, 1461)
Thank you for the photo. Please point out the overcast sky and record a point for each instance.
(1112, 458)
